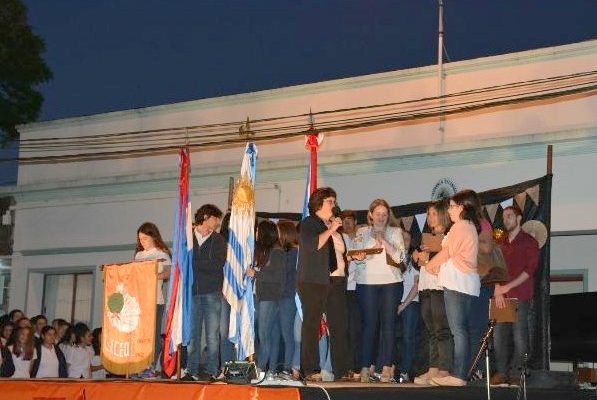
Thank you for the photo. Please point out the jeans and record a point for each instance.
(378, 304)
(266, 318)
(296, 356)
(410, 324)
(479, 320)
(458, 309)
(227, 351)
(207, 308)
(509, 361)
(284, 328)
(159, 317)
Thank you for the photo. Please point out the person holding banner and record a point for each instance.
(456, 267)
(209, 256)
(151, 246)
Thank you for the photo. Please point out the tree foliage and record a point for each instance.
(22, 69)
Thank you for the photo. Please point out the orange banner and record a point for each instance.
(128, 333)
(71, 389)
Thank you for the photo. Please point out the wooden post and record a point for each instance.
(549, 159)
(230, 191)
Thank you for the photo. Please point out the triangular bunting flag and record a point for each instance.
(421, 218)
(533, 193)
(521, 199)
(507, 203)
(408, 222)
(492, 211)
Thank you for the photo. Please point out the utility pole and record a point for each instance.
(440, 68)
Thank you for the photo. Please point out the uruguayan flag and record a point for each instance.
(238, 287)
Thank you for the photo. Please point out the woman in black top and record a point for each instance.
(317, 259)
(270, 276)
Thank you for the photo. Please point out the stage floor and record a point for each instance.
(67, 389)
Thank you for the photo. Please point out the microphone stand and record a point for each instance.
(522, 389)
(484, 347)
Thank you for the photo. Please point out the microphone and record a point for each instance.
(336, 211)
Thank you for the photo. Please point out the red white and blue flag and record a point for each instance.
(178, 317)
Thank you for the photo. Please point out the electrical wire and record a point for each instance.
(165, 140)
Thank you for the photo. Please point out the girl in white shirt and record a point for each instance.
(150, 246)
(22, 350)
(79, 355)
(50, 362)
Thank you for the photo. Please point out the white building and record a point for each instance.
(71, 217)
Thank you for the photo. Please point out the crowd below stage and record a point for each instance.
(372, 306)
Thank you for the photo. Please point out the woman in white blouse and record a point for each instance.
(23, 352)
(379, 287)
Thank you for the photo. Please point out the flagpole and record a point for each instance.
(178, 361)
(549, 159)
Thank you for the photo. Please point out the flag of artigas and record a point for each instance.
(128, 333)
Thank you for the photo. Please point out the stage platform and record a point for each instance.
(67, 389)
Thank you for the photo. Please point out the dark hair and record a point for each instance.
(59, 322)
(37, 318)
(470, 206)
(18, 348)
(66, 339)
(288, 234)
(349, 214)
(267, 238)
(81, 330)
(4, 324)
(441, 206)
(12, 313)
(515, 209)
(318, 196)
(151, 230)
(46, 329)
(95, 342)
(206, 211)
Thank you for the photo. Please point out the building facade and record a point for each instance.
(72, 216)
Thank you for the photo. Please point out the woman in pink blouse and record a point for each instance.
(456, 267)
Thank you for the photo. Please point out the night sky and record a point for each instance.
(115, 54)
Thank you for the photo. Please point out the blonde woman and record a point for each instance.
(379, 287)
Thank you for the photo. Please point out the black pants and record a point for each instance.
(337, 316)
(354, 330)
(313, 298)
(433, 311)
